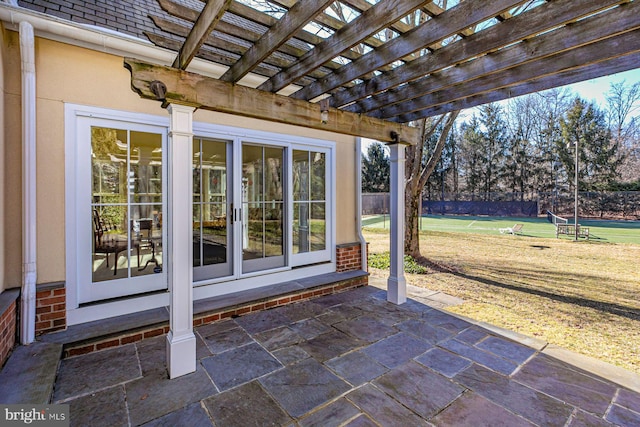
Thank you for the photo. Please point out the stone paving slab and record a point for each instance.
(240, 365)
(96, 371)
(350, 359)
(29, 374)
(301, 387)
(247, 405)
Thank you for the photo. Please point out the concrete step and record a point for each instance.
(29, 374)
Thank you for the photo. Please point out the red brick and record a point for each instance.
(284, 300)
(45, 309)
(243, 310)
(81, 350)
(59, 291)
(51, 316)
(226, 314)
(258, 307)
(42, 325)
(108, 344)
(197, 322)
(270, 304)
(60, 307)
(51, 300)
(153, 333)
(59, 323)
(212, 318)
(43, 294)
(131, 338)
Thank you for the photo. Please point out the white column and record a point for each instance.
(29, 240)
(396, 284)
(181, 342)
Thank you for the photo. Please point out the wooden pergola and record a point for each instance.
(387, 65)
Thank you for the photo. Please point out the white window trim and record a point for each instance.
(295, 269)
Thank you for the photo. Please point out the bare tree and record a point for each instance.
(420, 164)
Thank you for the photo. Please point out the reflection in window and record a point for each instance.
(309, 201)
(210, 223)
(263, 202)
(126, 203)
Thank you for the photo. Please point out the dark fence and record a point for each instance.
(375, 203)
(602, 204)
(452, 207)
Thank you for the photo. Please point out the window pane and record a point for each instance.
(254, 232)
(318, 177)
(252, 173)
(109, 243)
(318, 227)
(196, 171)
(146, 239)
(300, 227)
(273, 229)
(109, 165)
(145, 174)
(273, 160)
(300, 175)
(214, 233)
(197, 236)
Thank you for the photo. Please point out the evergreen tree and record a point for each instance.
(494, 147)
(471, 149)
(598, 152)
(375, 169)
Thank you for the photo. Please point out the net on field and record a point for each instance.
(555, 219)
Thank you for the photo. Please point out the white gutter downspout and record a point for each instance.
(29, 271)
(363, 242)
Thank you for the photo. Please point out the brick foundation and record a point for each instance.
(206, 318)
(8, 322)
(349, 257)
(51, 308)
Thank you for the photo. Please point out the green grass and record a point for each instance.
(582, 296)
(599, 230)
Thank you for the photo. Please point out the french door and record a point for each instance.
(120, 217)
(238, 208)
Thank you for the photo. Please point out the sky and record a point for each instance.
(595, 90)
(590, 90)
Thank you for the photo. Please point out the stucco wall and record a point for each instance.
(67, 74)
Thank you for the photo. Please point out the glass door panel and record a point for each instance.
(212, 196)
(263, 242)
(125, 213)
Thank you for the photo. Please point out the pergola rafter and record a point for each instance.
(379, 65)
(520, 27)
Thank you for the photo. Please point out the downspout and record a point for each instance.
(363, 243)
(29, 271)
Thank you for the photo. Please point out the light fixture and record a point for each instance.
(324, 110)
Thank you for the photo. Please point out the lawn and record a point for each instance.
(599, 230)
(582, 296)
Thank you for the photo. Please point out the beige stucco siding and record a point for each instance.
(68, 74)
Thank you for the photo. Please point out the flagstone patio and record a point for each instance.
(347, 359)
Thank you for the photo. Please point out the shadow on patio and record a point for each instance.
(345, 359)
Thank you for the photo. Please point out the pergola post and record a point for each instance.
(396, 284)
(181, 342)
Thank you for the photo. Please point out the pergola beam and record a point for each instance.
(298, 16)
(527, 24)
(592, 71)
(171, 85)
(369, 22)
(448, 23)
(207, 20)
(592, 53)
(607, 24)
